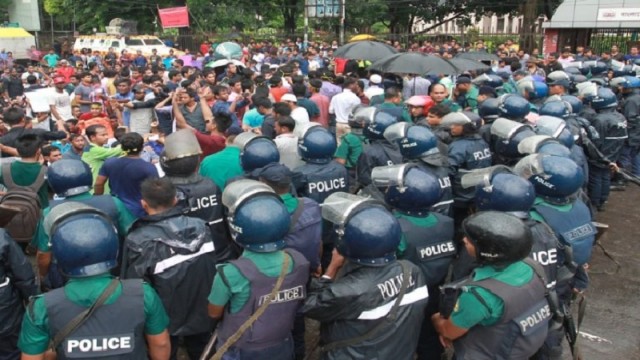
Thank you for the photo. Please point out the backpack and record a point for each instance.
(24, 201)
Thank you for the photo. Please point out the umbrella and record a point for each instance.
(224, 62)
(364, 50)
(478, 56)
(414, 63)
(468, 65)
(362, 37)
(228, 50)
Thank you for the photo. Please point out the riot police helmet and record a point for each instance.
(360, 116)
(556, 128)
(604, 99)
(379, 123)
(489, 110)
(407, 187)
(576, 104)
(68, 177)
(415, 142)
(508, 135)
(491, 80)
(554, 178)
(513, 106)
(499, 189)
(499, 239)
(317, 145)
(258, 219)
(560, 109)
(256, 151)
(181, 154)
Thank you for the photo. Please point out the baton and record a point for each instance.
(628, 176)
(207, 353)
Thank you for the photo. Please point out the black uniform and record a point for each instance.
(376, 153)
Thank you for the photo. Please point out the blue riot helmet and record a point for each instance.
(256, 151)
(379, 123)
(469, 121)
(491, 80)
(587, 91)
(409, 188)
(573, 71)
(415, 142)
(625, 82)
(508, 135)
(559, 109)
(361, 116)
(579, 79)
(258, 219)
(499, 239)
(69, 177)
(556, 128)
(598, 68)
(84, 241)
(316, 145)
(489, 110)
(541, 89)
(543, 144)
(576, 104)
(368, 234)
(513, 107)
(558, 75)
(525, 86)
(604, 99)
(499, 189)
(555, 178)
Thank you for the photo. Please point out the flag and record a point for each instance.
(174, 17)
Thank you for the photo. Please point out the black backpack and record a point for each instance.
(23, 205)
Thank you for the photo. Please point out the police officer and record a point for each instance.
(305, 231)
(420, 146)
(379, 151)
(513, 107)
(489, 111)
(17, 285)
(128, 320)
(71, 181)
(506, 288)
(176, 254)
(467, 151)
(258, 220)
(612, 127)
(256, 151)
(427, 237)
(534, 91)
(506, 135)
(375, 308)
(630, 107)
(320, 176)
(197, 195)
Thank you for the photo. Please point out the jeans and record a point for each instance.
(599, 182)
(194, 344)
(630, 160)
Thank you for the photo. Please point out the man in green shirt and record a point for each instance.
(465, 94)
(97, 153)
(134, 325)
(223, 165)
(25, 171)
(393, 104)
(350, 148)
(506, 288)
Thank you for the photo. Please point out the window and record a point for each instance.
(500, 26)
(134, 42)
(115, 44)
(153, 42)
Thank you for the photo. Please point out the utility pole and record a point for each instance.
(342, 15)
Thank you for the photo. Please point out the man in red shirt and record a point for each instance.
(96, 116)
(277, 90)
(65, 70)
(216, 139)
(321, 101)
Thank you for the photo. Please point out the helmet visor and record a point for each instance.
(243, 139)
(65, 210)
(529, 165)
(392, 175)
(531, 144)
(587, 89)
(550, 125)
(239, 191)
(505, 128)
(338, 207)
(180, 144)
(482, 177)
(396, 131)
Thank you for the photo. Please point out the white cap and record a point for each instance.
(289, 97)
(375, 79)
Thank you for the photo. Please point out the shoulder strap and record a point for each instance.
(80, 319)
(539, 271)
(382, 324)
(296, 215)
(40, 179)
(6, 176)
(252, 319)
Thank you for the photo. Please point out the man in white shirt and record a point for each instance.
(298, 113)
(60, 102)
(375, 87)
(341, 106)
(415, 85)
(287, 142)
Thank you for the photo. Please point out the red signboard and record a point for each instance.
(550, 41)
(174, 17)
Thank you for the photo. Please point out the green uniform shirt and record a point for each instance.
(239, 289)
(405, 113)
(96, 156)
(222, 166)
(350, 149)
(472, 97)
(469, 311)
(290, 202)
(34, 336)
(455, 107)
(537, 217)
(423, 222)
(125, 219)
(25, 174)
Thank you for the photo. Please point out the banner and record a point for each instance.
(174, 17)
(619, 14)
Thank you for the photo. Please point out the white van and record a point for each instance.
(132, 44)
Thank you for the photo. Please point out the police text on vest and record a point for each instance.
(100, 344)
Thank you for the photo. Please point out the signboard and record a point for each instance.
(619, 14)
(26, 13)
(176, 17)
(323, 8)
(550, 41)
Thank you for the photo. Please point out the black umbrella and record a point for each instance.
(478, 56)
(414, 63)
(364, 50)
(468, 65)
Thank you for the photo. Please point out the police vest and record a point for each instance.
(446, 200)
(431, 248)
(104, 203)
(467, 154)
(322, 180)
(274, 325)
(303, 233)
(521, 330)
(114, 331)
(544, 250)
(200, 197)
(573, 228)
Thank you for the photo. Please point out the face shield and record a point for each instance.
(243, 139)
(180, 144)
(479, 80)
(301, 131)
(574, 64)
(392, 175)
(396, 131)
(617, 65)
(64, 210)
(505, 129)
(238, 191)
(529, 166)
(553, 98)
(455, 118)
(526, 83)
(338, 208)
(482, 177)
(550, 125)
(587, 89)
(531, 144)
